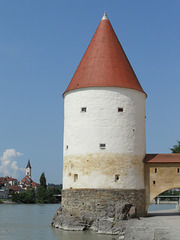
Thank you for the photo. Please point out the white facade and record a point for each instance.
(110, 116)
(28, 172)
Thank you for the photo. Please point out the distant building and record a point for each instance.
(10, 185)
(11, 181)
(15, 189)
(104, 154)
(27, 180)
(4, 188)
(28, 169)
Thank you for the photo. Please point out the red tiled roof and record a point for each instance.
(162, 158)
(104, 63)
(34, 184)
(10, 178)
(15, 188)
(29, 182)
(3, 180)
(26, 179)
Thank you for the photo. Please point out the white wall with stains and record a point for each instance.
(122, 132)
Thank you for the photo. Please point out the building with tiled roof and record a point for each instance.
(27, 180)
(35, 185)
(15, 189)
(12, 181)
(104, 155)
(162, 158)
(4, 188)
(3, 181)
(104, 125)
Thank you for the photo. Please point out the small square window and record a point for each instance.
(154, 182)
(120, 109)
(75, 177)
(83, 109)
(116, 177)
(102, 146)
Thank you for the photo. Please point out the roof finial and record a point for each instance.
(105, 16)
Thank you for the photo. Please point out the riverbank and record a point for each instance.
(9, 201)
(6, 201)
(159, 225)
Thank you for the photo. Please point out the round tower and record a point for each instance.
(104, 128)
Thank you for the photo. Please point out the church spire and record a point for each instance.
(28, 164)
(28, 169)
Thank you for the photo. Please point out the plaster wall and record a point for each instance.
(28, 171)
(122, 132)
(160, 177)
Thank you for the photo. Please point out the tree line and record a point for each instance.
(43, 194)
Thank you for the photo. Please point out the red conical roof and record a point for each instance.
(104, 63)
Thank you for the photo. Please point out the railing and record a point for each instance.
(175, 197)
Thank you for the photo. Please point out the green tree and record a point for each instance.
(43, 181)
(176, 148)
(41, 194)
(27, 196)
(30, 196)
(50, 196)
(42, 189)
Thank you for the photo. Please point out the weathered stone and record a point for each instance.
(161, 234)
(104, 213)
(121, 238)
(105, 225)
(132, 212)
(92, 208)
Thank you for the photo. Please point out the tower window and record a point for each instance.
(120, 109)
(154, 182)
(66, 147)
(83, 109)
(177, 170)
(102, 146)
(75, 177)
(155, 170)
(116, 178)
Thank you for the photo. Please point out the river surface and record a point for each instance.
(33, 222)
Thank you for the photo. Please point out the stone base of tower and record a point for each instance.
(92, 208)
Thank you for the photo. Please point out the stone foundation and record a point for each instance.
(90, 208)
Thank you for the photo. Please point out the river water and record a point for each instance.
(32, 221)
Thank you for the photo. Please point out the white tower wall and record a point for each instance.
(119, 164)
(28, 171)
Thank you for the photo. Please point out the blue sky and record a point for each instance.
(41, 45)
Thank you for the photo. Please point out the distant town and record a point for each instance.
(10, 186)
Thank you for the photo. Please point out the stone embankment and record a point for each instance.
(162, 225)
(109, 222)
